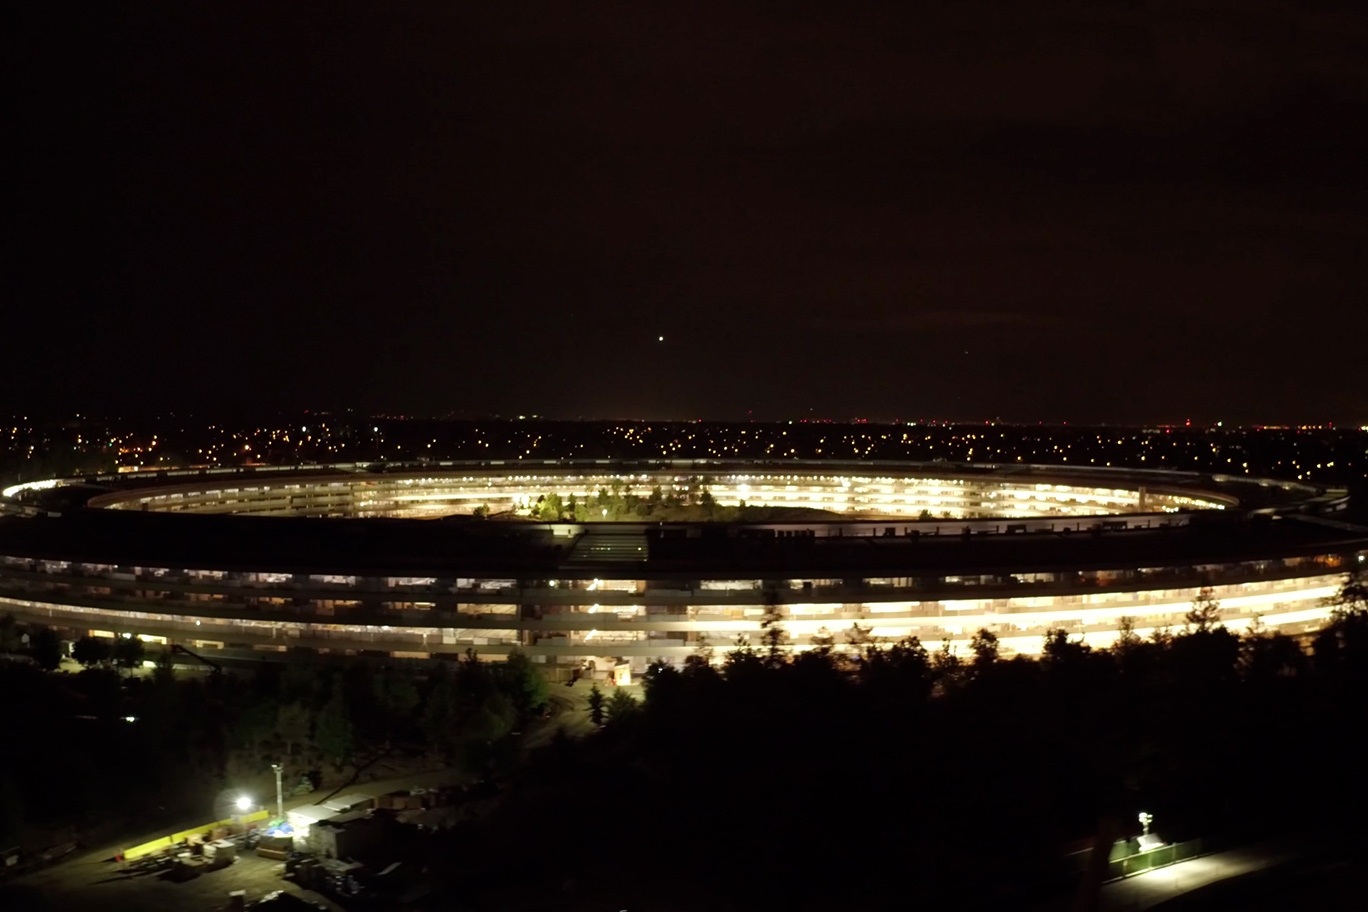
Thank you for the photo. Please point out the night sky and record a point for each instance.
(1120, 212)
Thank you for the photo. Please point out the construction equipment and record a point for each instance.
(214, 667)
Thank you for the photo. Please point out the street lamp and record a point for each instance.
(244, 803)
(280, 796)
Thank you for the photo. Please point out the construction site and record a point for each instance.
(351, 850)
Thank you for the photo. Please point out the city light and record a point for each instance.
(244, 803)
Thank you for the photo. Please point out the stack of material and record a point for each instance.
(303, 818)
(188, 865)
(220, 853)
(277, 847)
(419, 798)
(346, 835)
(403, 800)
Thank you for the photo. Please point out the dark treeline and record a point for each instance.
(105, 747)
(771, 779)
(820, 780)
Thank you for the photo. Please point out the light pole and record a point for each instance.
(280, 796)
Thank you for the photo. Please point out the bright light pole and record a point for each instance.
(280, 795)
(244, 803)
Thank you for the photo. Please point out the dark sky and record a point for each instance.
(1082, 211)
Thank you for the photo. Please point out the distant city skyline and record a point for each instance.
(34, 449)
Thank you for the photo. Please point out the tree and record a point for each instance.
(164, 671)
(742, 665)
(395, 698)
(334, 734)
(1342, 644)
(299, 684)
(440, 714)
(1205, 613)
(903, 669)
(596, 705)
(1266, 656)
(91, 651)
(524, 684)
(46, 647)
(1060, 650)
(859, 637)
(947, 669)
(494, 718)
(621, 706)
(128, 652)
(822, 641)
(1352, 598)
(551, 508)
(1126, 639)
(256, 724)
(984, 646)
(9, 634)
(661, 682)
(773, 635)
(702, 654)
(294, 722)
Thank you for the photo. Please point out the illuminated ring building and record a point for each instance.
(397, 561)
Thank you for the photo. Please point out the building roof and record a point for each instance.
(314, 813)
(1268, 524)
(346, 802)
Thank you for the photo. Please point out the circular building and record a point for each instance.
(613, 564)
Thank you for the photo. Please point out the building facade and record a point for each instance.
(331, 561)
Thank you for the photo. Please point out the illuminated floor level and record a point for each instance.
(637, 634)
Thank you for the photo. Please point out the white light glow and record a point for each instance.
(43, 485)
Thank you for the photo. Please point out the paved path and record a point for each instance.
(1144, 891)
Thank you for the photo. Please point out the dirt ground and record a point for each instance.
(90, 881)
(99, 886)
